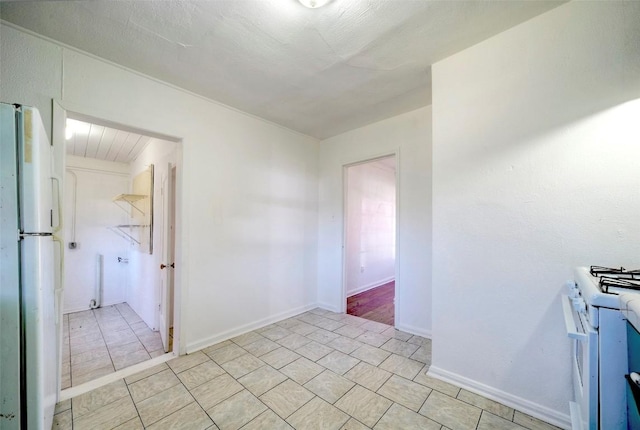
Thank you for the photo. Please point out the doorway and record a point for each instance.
(120, 216)
(370, 239)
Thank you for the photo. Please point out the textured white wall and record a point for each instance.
(248, 195)
(409, 135)
(535, 170)
(371, 226)
(97, 183)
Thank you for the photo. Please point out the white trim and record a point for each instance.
(370, 286)
(530, 408)
(413, 330)
(328, 307)
(212, 340)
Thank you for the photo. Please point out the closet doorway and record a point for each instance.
(370, 239)
(120, 217)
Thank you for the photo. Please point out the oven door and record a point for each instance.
(584, 368)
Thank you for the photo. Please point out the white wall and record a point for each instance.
(143, 294)
(371, 226)
(535, 171)
(97, 183)
(248, 209)
(409, 135)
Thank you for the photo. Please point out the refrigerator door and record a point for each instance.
(34, 169)
(36, 253)
(9, 274)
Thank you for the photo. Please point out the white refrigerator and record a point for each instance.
(29, 290)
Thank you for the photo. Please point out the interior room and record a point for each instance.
(514, 127)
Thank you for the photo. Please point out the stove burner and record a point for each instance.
(620, 273)
(606, 282)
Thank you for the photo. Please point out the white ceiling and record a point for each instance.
(104, 143)
(318, 71)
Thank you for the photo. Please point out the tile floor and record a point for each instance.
(318, 370)
(100, 341)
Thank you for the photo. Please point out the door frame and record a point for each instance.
(60, 112)
(345, 189)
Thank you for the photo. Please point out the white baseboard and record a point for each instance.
(530, 408)
(212, 340)
(370, 286)
(414, 330)
(329, 307)
(87, 308)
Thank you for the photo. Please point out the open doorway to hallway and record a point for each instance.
(370, 239)
(119, 218)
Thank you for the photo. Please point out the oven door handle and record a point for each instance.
(570, 322)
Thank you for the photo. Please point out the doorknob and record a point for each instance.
(162, 266)
(172, 265)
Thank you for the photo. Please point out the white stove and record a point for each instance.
(597, 331)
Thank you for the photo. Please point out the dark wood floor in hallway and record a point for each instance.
(375, 304)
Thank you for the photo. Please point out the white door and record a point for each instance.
(165, 170)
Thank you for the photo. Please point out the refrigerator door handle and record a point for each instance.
(58, 286)
(58, 203)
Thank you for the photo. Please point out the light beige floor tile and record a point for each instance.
(286, 398)
(293, 341)
(374, 326)
(329, 386)
(320, 311)
(184, 362)
(422, 354)
(402, 366)
(218, 389)
(399, 417)
(262, 380)
(436, 384)
(302, 370)
(397, 334)
(131, 358)
(354, 424)
(62, 421)
(98, 398)
(318, 415)
(88, 345)
(483, 403)
(328, 324)
(226, 353)
(153, 385)
(276, 333)
(163, 404)
(345, 344)
(307, 317)
(145, 373)
(108, 416)
(99, 352)
(62, 406)
(405, 392)
(236, 411)
(399, 347)
(261, 347)
(489, 421)
(242, 365)
(350, 331)
(134, 424)
(531, 422)
(372, 338)
(323, 336)
(314, 351)
(247, 338)
(338, 362)
(197, 375)
(120, 337)
(354, 321)
(280, 357)
(90, 375)
(368, 376)
(208, 350)
(267, 420)
(303, 328)
(91, 365)
(418, 340)
(294, 321)
(371, 354)
(364, 405)
(191, 417)
(450, 412)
